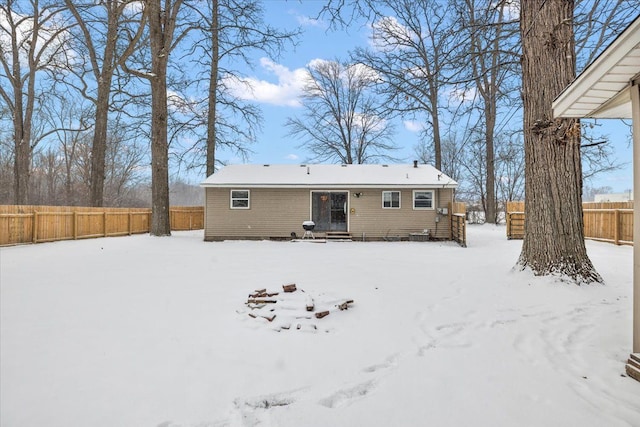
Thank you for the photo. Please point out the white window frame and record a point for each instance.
(232, 199)
(391, 201)
(433, 199)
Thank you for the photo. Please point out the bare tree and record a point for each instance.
(342, 121)
(554, 231)
(32, 42)
(100, 28)
(453, 152)
(72, 145)
(475, 173)
(230, 30)
(6, 174)
(47, 179)
(162, 18)
(6, 159)
(596, 23)
(490, 59)
(414, 42)
(122, 165)
(509, 169)
(64, 115)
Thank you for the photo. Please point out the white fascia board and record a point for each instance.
(597, 72)
(331, 186)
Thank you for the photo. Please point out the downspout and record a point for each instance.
(635, 114)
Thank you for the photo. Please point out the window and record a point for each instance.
(239, 199)
(391, 199)
(422, 199)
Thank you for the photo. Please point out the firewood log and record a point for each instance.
(289, 288)
(345, 305)
(310, 303)
(261, 301)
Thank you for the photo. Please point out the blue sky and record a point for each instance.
(277, 82)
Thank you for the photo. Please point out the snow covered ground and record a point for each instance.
(142, 331)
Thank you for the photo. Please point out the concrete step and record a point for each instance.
(338, 235)
(633, 366)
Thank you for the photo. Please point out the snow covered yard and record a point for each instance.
(142, 331)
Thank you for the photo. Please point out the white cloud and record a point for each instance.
(292, 157)
(50, 38)
(462, 95)
(177, 102)
(364, 72)
(512, 10)
(413, 126)
(307, 21)
(388, 34)
(285, 92)
(134, 8)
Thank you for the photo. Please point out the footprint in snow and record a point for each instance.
(347, 395)
(390, 362)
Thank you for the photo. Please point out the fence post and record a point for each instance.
(616, 227)
(130, 221)
(464, 233)
(451, 216)
(34, 232)
(104, 223)
(75, 225)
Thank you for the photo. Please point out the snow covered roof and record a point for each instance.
(602, 90)
(334, 176)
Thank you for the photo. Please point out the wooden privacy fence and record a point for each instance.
(515, 220)
(35, 224)
(459, 223)
(186, 218)
(607, 222)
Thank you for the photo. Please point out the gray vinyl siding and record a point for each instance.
(275, 213)
(377, 223)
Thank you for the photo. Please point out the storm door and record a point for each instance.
(329, 210)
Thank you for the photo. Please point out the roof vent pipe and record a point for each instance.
(415, 163)
(308, 171)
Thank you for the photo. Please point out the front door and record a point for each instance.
(329, 210)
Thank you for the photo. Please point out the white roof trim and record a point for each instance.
(329, 176)
(602, 89)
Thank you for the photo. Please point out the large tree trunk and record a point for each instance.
(99, 145)
(22, 151)
(103, 75)
(437, 141)
(490, 179)
(160, 225)
(554, 236)
(213, 91)
(160, 43)
(22, 117)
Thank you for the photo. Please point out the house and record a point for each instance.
(614, 197)
(363, 202)
(610, 88)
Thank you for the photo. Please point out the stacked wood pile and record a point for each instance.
(294, 306)
(633, 366)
